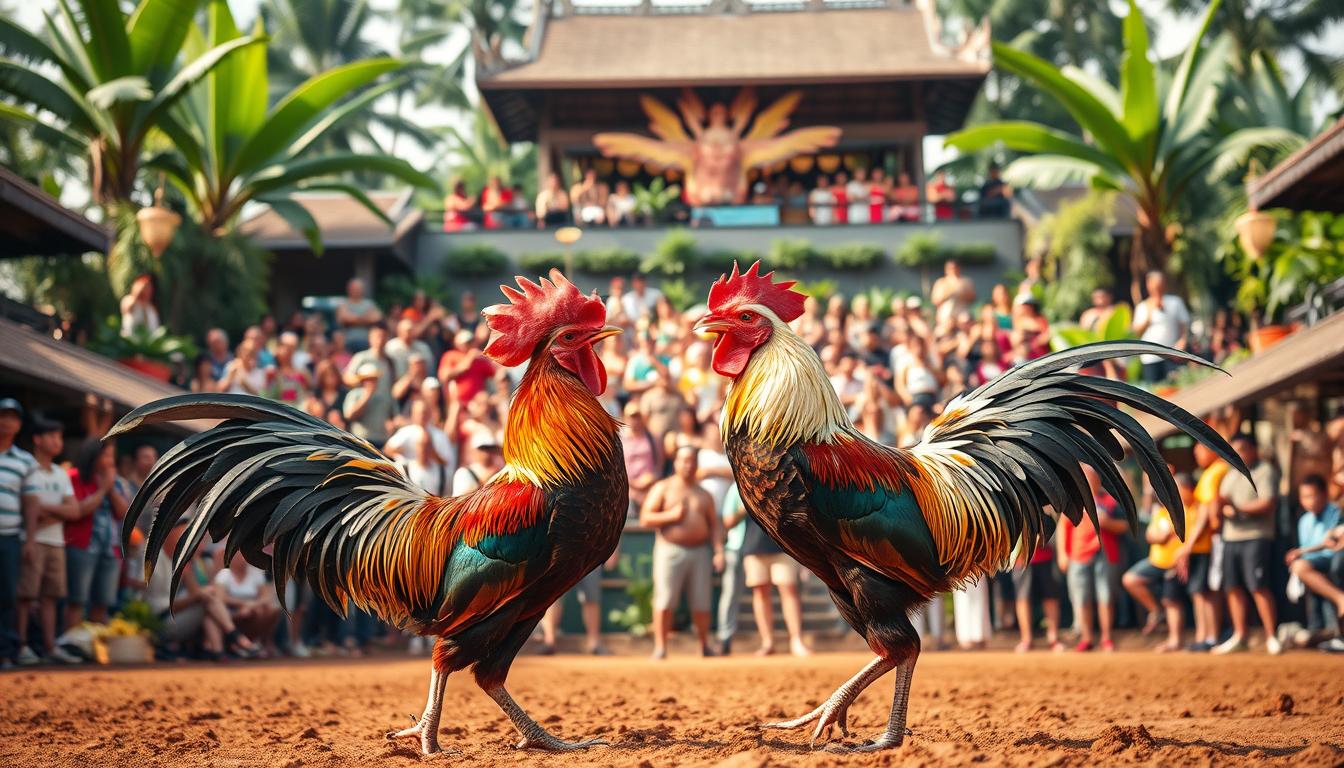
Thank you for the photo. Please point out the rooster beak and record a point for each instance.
(712, 324)
(610, 330)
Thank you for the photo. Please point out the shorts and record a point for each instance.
(1319, 561)
(43, 572)
(1037, 581)
(778, 569)
(1090, 582)
(678, 570)
(1246, 564)
(589, 588)
(1164, 582)
(91, 578)
(1198, 583)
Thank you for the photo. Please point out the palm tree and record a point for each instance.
(103, 80)
(230, 149)
(1149, 140)
(480, 155)
(1277, 27)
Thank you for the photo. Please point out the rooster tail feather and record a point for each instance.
(1026, 434)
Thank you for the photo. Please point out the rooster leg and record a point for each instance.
(427, 727)
(896, 731)
(534, 736)
(835, 711)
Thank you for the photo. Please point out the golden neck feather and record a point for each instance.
(783, 395)
(557, 431)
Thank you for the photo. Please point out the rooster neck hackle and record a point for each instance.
(783, 396)
(557, 431)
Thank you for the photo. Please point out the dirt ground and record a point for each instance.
(991, 708)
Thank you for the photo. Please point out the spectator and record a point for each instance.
(952, 293)
(590, 207)
(879, 188)
(1310, 561)
(552, 203)
(217, 349)
(1201, 552)
(687, 550)
(663, 406)
(457, 208)
(970, 616)
(409, 386)
(406, 343)
(369, 407)
(639, 301)
(355, 315)
(429, 456)
(1306, 449)
(92, 552)
(734, 518)
(643, 456)
(941, 196)
(495, 199)
(1088, 558)
(484, 459)
(904, 199)
(251, 603)
(840, 191)
(1036, 582)
(764, 565)
(286, 381)
(465, 367)
(1157, 577)
(995, 195)
(244, 375)
(48, 503)
(328, 388)
(621, 205)
(821, 203)
(203, 375)
(1031, 331)
(262, 337)
(856, 192)
(1161, 318)
(917, 378)
(15, 464)
(198, 615)
(1247, 510)
(516, 212)
(1094, 318)
(139, 313)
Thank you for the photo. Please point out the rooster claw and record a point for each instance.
(885, 741)
(550, 743)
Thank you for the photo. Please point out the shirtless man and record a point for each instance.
(687, 528)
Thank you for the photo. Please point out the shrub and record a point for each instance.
(674, 254)
(723, 259)
(400, 289)
(972, 253)
(477, 259)
(821, 290)
(606, 261)
(791, 254)
(922, 249)
(680, 294)
(542, 262)
(854, 256)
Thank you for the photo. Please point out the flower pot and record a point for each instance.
(1255, 231)
(1266, 336)
(151, 368)
(127, 649)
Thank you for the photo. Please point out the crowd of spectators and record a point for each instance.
(413, 380)
(860, 196)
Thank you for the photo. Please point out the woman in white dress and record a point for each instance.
(970, 615)
(857, 192)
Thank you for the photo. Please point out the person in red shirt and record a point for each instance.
(466, 366)
(92, 542)
(1089, 560)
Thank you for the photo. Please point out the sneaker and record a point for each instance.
(63, 656)
(1233, 644)
(1333, 645)
(600, 650)
(300, 651)
(27, 658)
(1108, 646)
(1199, 646)
(1273, 647)
(1083, 646)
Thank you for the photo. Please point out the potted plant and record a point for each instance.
(126, 638)
(149, 352)
(653, 202)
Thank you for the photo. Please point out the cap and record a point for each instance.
(367, 371)
(42, 425)
(10, 404)
(483, 439)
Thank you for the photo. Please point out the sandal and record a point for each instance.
(233, 643)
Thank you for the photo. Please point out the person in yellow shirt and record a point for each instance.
(1196, 555)
(1159, 573)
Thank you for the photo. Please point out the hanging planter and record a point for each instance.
(1255, 231)
(158, 224)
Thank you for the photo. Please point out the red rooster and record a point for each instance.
(888, 529)
(477, 571)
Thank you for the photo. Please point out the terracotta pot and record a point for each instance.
(1266, 336)
(1166, 391)
(151, 368)
(127, 650)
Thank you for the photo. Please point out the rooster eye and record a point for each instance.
(569, 336)
(746, 317)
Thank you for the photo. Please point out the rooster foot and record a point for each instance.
(427, 733)
(547, 742)
(835, 712)
(887, 740)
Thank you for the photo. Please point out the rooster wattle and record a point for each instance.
(477, 571)
(887, 529)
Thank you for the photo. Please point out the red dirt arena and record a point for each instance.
(990, 708)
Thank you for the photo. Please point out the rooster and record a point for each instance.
(888, 529)
(476, 571)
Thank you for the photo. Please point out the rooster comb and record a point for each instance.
(534, 311)
(752, 287)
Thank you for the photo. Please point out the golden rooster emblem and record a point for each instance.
(715, 147)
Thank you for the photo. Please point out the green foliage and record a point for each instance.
(637, 617)
(400, 289)
(482, 154)
(789, 254)
(1076, 243)
(879, 299)
(140, 614)
(926, 249)
(157, 345)
(820, 290)
(722, 260)
(477, 260)
(682, 295)
(677, 252)
(607, 261)
(73, 287)
(541, 262)
(971, 254)
(854, 256)
(653, 201)
(1306, 254)
(1117, 328)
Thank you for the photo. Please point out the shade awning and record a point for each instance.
(1307, 354)
(1310, 179)
(33, 223)
(29, 355)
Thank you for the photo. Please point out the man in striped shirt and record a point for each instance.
(15, 464)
